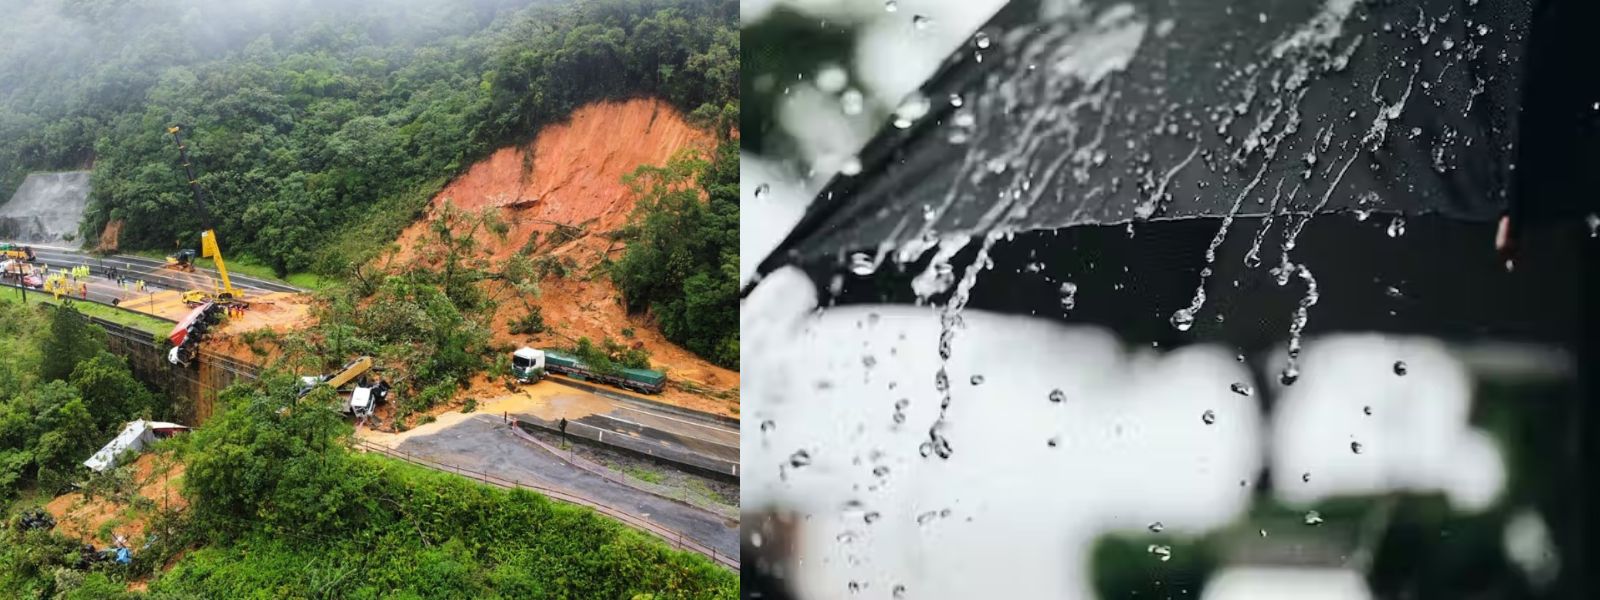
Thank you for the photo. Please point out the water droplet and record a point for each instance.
(755, 539)
(768, 425)
(1593, 221)
(1057, 396)
(1400, 367)
(1397, 227)
(862, 265)
(1483, 30)
(1447, 43)
(869, 361)
(1209, 417)
(1263, 533)
(1393, 292)
(1367, 410)
(870, 517)
(913, 108)
(1355, 447)
(1069, 295)
(762, 191)
(855, 587)
(852, 102)
(927, 517)
(1053, 441)
(1157, 527)
(899, 591)
(981, 40)
(977, 380)
(1289, 376)
(1241, 388)
(1261, 17)
(890, 6)
(1313, 518)
(800, 458)
(956, 101)
(851, 167)
(1161, 551)
(921, 23)
(1183, 319)
(1305, 477)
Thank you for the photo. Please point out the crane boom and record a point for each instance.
(209, 247)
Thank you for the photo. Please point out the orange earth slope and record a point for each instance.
(571, 175)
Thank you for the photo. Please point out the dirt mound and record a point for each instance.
(561, 195)
(99, 520)
(109, 237)
(572, 173)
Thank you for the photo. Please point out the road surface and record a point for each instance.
(483, 443)
(154, 270)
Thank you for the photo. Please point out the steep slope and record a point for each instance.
(562, 195)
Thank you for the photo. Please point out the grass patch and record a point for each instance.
(125, 318)
(643, 474)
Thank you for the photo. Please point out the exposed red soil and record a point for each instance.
(155, 478)
(571, 175)
(109, 237)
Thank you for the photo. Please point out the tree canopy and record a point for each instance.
(310, 119)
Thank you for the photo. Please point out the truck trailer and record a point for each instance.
(640, 380)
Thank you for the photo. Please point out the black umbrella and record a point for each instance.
(1190, 146)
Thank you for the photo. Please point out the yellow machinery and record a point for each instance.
(182, 260)
(225, 294)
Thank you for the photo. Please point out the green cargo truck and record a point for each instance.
(639, 380)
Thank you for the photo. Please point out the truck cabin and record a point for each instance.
(527, 363)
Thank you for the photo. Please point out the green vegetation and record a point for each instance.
(609, 357)
(321, 132)
(99, 311)
(682, 261)
(245, 264)
(643, 474)
(428, 318)
(280, 509)
(61, 397)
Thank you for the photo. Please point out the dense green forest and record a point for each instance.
(279, 507)
(682, 261)
(61, 396)
(321, 127)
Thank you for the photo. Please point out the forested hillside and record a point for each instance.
(321, 128)
(269, 503)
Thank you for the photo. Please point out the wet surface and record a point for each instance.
(46, 208)
(482, 443)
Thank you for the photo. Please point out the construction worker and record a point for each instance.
(83, 290)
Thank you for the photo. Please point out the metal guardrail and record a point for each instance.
(571, 457)
(673, 538)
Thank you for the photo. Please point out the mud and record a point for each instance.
(571, 177)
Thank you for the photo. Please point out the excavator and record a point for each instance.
(15, 252)
(226, 294)
(366, 395)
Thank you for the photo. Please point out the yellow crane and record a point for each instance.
(225, 294)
